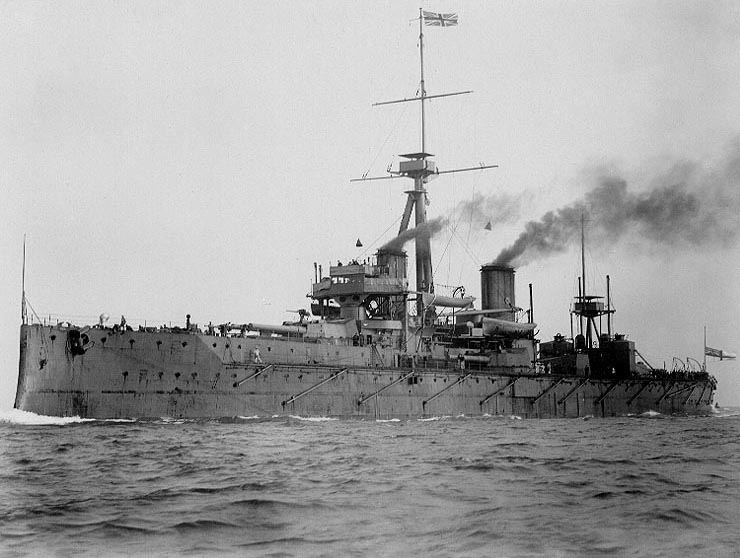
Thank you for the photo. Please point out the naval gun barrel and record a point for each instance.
(267, 328)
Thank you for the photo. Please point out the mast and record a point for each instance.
(583, 256)
(583, 276)
(588, 307)
(421, 168)
(608, 307)
(422, 244)
(422, 90)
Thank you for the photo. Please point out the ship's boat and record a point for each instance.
(372, 346)
(494, 326)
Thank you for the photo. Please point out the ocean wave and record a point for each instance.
(681, 516)
(725, 412)
(313, 419)
(200, 525)
(550, 488)
(16, 416)
(171, 420)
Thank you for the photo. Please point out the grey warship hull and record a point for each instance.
(141, 374)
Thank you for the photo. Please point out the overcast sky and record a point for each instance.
(166, 158)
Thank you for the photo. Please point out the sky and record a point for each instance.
(166, 158)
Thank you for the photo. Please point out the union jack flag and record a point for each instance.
(440, 20)
(719, 353)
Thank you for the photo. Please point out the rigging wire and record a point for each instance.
(466, 242)
(28, 303)
(374, 242)
(393, 131)
(475, 258)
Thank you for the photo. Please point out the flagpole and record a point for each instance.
(705, 348)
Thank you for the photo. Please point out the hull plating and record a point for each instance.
(148, 374)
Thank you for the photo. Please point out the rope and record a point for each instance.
(374, 242)
(393, 131)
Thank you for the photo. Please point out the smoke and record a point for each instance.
(494, 209)
(429, 228)
(685, 208)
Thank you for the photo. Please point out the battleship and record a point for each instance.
(372, 345)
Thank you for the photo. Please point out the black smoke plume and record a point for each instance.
(684, 208)
(430, 228)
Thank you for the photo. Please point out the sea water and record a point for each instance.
(647, 485)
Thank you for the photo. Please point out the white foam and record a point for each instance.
(16, 416)
(388, 420)
(515, 417)
(651, 413)
(433, 418)
(313, 419)
(249, 418)
(172, 420)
